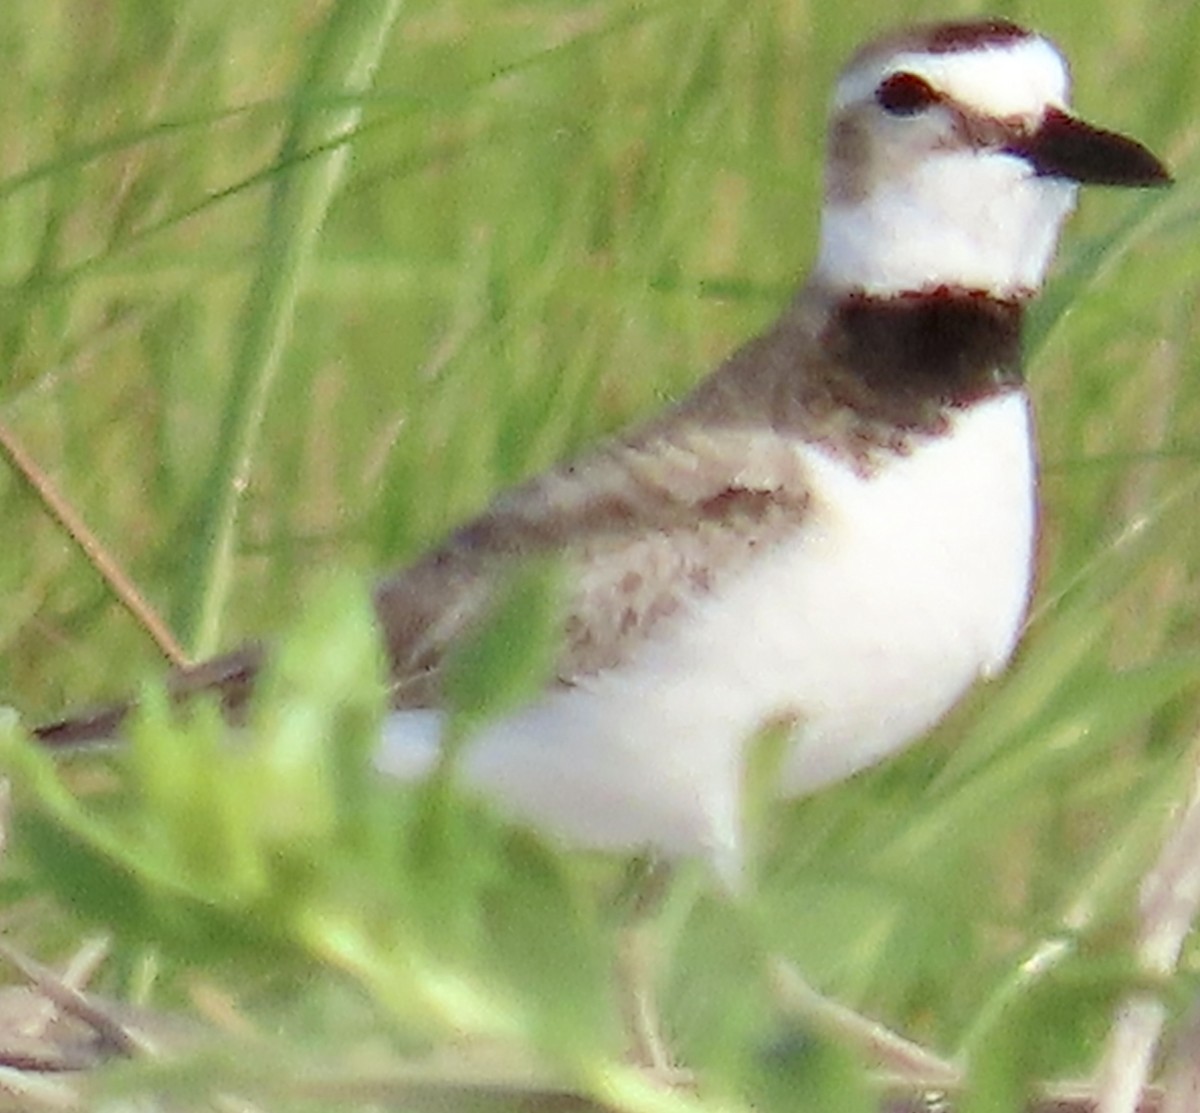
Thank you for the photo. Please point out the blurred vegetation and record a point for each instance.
(246, 365)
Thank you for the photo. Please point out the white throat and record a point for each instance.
(958, 218)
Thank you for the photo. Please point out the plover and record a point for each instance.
(834, 531)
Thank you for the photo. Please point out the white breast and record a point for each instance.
(913, 584)
(905, 587)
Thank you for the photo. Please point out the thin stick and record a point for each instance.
(61, 510)
(886, 1048)
(1168, 905)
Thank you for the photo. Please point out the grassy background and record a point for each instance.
(555, 217)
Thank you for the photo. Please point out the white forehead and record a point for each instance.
(1017, 78)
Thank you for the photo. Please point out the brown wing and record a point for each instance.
(642, 526)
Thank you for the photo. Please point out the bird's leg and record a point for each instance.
(642, 897)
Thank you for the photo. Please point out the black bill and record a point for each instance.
(1066, 147)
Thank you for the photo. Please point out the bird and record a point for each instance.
(833, 534)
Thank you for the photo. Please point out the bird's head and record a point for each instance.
(954, 158)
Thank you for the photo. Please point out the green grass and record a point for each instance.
(554, 217)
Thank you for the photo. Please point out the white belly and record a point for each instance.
(902, 590)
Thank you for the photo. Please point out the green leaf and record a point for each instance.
(507, 658)
(316, 721)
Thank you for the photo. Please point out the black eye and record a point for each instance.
(905, 94)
